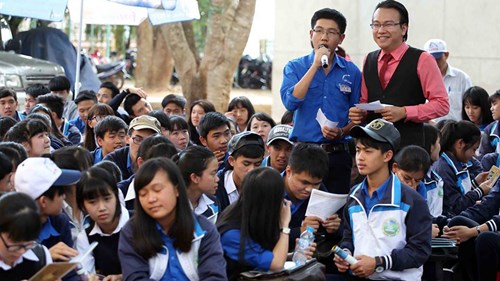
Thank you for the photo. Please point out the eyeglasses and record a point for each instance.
(329, 32)
(16, 248)
(385, 25)
(137, 139)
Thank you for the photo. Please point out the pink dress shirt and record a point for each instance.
(432, 86)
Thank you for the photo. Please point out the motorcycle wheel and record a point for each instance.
(117, 79)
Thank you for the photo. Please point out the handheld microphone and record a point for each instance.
(324, 58)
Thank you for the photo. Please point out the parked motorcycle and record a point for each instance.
(113, 72)
(254, 73)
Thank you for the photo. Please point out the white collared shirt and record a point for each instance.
(230, 186)
(203, 204)
(82, 242)
(456, 82)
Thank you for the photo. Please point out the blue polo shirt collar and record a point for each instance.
(47, 231)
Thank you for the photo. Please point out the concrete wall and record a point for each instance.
(470, 28)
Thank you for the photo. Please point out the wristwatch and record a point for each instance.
(379, 265)
(478, 229)
(285, 230)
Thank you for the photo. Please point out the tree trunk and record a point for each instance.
(212, 77)
(154, 59)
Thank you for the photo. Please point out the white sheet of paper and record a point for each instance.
(323, 121)
(323, 204)
(372, 106)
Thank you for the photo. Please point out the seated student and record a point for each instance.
(16, 154)
(179, 135)
(107, 91)
(240, 109)
(56, 105)
(32, 93)
(33, 134)
(261, 123)
(20, 256)
(411, 164)
(61, 86)
(387, 225)
(6, 122)
(246, 151)
(287, 118)
(307, 167)
(164, 121)
(476, 230)
(8, 104)
(254, 230)
(459, 143)
(279, 146)
(139, 129)
(57, 140)
(197, 110)
(73, 158)
(6, 171)
(96, 114)
(432, 181)
(43, 181)
(164, 240)
(154, 146)
(174, 105)
(136, 105)
(84, 101)
(476, 107)
(97, 196)
(215, 134)
(198, 166)
(491, 137)
(110, 134)
(134, 97)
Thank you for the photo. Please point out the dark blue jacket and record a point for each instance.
(489, 139)
(210, 259)
(457, 196)
(121, 157)
(489, 160)
(487, 210)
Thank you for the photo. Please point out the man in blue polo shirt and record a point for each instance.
(323, 80)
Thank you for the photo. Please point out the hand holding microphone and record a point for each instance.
(324, 57)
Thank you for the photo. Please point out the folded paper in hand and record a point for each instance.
(372, 106)
(324, 204)
(323, 121)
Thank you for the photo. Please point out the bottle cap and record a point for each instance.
(310, 229)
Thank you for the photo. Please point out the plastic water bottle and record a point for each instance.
(306, 239)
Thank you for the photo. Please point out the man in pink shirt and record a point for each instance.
(405, 77)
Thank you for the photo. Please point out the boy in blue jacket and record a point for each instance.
(387, 224)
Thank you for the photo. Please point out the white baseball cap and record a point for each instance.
(35, 175)
(436, 47)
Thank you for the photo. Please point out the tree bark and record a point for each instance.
(154, 59)
(212, 77)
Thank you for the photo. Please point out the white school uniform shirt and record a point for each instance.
(231, 190)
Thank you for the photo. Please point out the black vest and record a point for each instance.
(27, 268)
(404, 89)
(106, 253)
